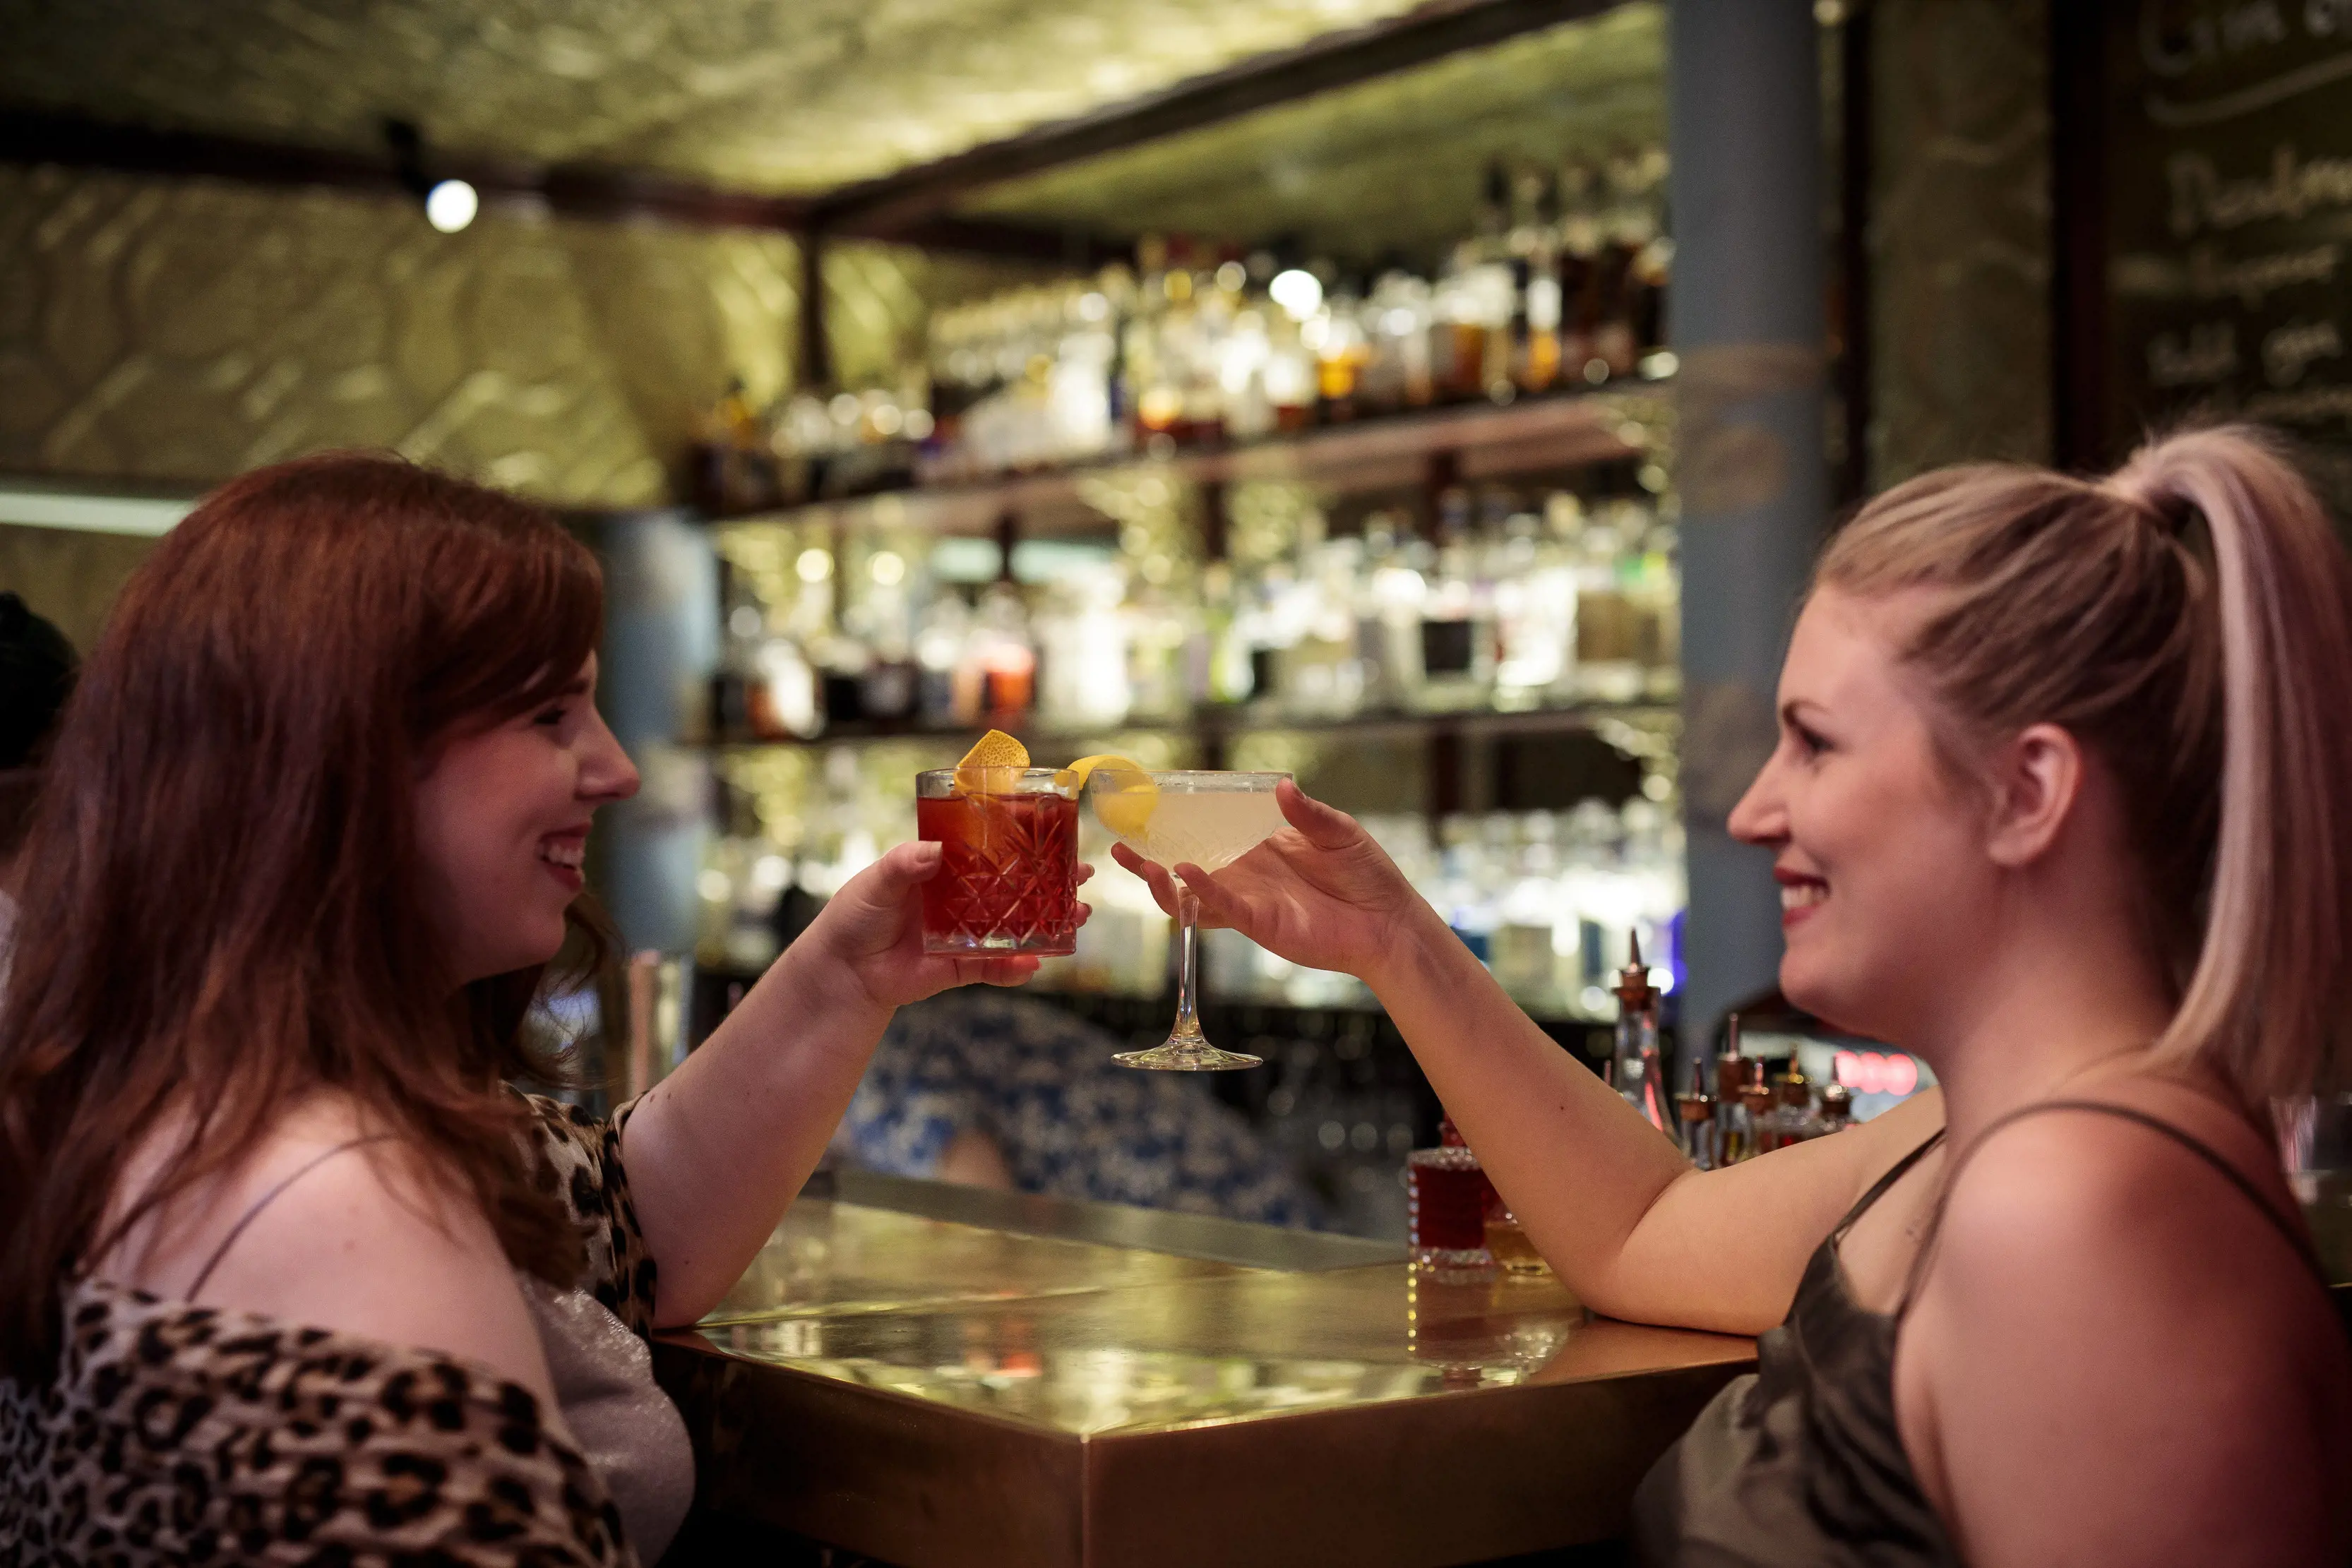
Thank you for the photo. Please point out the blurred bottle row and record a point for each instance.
(1507, 600)
(1548, 900)
(1561, 284)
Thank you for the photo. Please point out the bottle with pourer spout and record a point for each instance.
(1639, 1071)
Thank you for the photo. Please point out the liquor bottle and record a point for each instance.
(1536, 364)
(1000, 661)
(1836, 1113)
(1446, 1195)
(1755, 1097)
(1695, 1114)
(1524, 956)
(1458, 645)
(1639, 1075)
(1322, 670)
(1792, 1109)
(1340, 354)
(1389, 597)
(1735, 1132)
(1608, 623)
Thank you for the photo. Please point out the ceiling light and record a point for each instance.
(451, 205)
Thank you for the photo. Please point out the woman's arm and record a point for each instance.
(1610, 1201)
(715, 1151)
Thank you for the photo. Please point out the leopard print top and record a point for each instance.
(179, 1434)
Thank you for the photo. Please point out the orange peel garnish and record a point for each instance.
(1124, 794)
(993, 766)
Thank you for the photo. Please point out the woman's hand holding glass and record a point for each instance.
(1319, 893)
(873, 928)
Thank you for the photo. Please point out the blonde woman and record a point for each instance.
(2062, 802)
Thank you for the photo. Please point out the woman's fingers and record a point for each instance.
(1084, 871)
(1010, 971)
(1319, 824)
(905, 866)
(1218, 907)
(1154, 877)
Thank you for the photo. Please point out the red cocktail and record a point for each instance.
(1008, 880)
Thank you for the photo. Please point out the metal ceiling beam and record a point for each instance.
(891, 204)
(580, 190)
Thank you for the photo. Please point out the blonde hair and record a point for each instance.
(2188, 620)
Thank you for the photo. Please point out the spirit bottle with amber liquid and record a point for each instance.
(1640, 1075)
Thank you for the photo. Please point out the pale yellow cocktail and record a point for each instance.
(1208, 820)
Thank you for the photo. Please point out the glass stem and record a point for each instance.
(1188, 951)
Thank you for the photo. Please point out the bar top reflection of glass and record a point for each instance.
(1209, 820)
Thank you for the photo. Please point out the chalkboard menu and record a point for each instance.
(2225, 180)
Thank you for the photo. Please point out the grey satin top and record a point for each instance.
(1800, 1462)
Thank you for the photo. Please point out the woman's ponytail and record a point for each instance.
(2270, 999)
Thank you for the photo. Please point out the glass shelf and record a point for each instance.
(1618, 422)
(1244, 721)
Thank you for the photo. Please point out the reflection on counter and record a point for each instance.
(1090, 1339)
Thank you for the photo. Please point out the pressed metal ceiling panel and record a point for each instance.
(1391, 165)
(784, 96)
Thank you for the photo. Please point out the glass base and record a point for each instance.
(1180, 1055)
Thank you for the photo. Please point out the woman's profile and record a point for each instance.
(2061, 802)
(288, 1273)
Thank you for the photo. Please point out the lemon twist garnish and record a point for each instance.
(1124, 794)
(993, 766)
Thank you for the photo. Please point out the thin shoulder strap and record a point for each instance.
(264, 1201)
(1878, 1188)
(2286, 1227)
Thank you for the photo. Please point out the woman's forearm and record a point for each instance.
(1579, 1166)
(1608, 1199)
(719, 1149)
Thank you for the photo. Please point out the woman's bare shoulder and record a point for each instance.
(365, 1239)
(2116, 1350)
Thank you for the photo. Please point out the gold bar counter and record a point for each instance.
(939, 1376)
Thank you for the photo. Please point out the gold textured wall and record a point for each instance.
(1960, 238)
(178, 331)
(70, 578)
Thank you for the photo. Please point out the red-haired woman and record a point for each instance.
(2062, 802)
(286, 1274)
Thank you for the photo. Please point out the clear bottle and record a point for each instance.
(1734, 1131)
(1639, 1071)
(1457, 641)
(1792, 1111)
(1389, 596)
(1082, 647)
(1695, 1116)
(1524, 958)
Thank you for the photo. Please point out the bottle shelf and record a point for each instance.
(1217, 723)
(1532, 434)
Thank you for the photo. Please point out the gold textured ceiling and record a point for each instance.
(784, 96)
(1394, 163)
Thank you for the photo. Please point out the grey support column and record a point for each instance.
(1746, 323)
(661, 638)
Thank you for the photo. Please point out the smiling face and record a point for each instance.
(1888, 891)
(502, 818)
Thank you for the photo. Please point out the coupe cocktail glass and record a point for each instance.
(1008, 883)
(1208, 820)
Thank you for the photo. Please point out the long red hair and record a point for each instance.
(222, 907)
